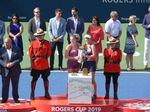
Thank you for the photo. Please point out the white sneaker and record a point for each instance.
(133, 68)
(129, 69)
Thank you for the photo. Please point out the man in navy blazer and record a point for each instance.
(35, 23)
(75, 24)
(146, 26)
(2, 32)
(10, 58)
(57, 30)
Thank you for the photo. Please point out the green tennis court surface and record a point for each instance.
(138, 58)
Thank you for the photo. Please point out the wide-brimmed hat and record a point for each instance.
(87, 36)
(112, 40)
(40, 32)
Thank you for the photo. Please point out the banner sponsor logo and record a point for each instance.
(9, 17)
(76, 109)
(136, 105)
(125, 1)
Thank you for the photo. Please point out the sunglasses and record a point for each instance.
(15, 18)
(37, 12)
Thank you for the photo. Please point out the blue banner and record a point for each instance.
(87, 8)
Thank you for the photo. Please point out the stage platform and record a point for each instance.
(10, 106)
(59, 103)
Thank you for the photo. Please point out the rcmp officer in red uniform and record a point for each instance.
(112, 58)
(39, 51)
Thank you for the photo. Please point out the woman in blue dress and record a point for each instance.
(131, 42)
(14, 30)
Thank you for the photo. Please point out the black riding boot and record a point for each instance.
(107, 86)
(33, 85)
(115, 91)
(46, 85)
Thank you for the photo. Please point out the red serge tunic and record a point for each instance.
(111, 58)
(39, 52)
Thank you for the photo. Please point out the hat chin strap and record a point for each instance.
(41, 40)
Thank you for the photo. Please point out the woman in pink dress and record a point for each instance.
(97, 34)
(71, 54)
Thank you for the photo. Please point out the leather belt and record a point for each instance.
(42, 56)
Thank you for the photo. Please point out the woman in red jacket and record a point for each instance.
(97, 35)
(112, 59)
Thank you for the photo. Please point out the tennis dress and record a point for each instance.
(73, 63)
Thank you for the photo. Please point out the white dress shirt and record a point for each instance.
(75, 20)
(9, 52)
(37, 23)
(57, 23)
(113, 27)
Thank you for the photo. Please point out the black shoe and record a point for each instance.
(17, 101)
(47, 96)
(94, 97)
(116, 96)
(51, 68)
(67, 96)
(32, 96)
(106, 96)
(60, 68)
(3, 101)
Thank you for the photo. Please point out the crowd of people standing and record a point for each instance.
(40, 49)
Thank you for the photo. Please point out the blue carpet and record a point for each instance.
(131, 85)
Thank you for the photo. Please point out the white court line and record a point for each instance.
(135, 54)
(96, 72)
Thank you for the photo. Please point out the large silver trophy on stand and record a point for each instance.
(80, 51)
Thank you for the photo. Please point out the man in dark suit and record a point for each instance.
(75, 24)
(35, 23)
(10, 58)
